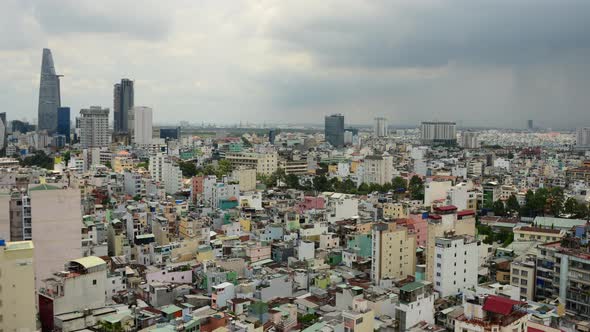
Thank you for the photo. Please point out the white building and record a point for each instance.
(94, 127)
(438, 132)
(380, 128)
(214, 191)
(142, 125)
(463, 196)
(164, 170)
(82, 286)
(469, 140)
(455, 265)
(378, 169)
(416, 304)
(340, 206)
(583, 137)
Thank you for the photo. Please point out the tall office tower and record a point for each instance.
(63, 122)
(469, 140)
(49, 94)
(3, 134)
(583, 138)
(334, 130)
(142, 125)
(272, 135)
(530, 124)
(123, 101)
(94, 127)
(170, 133)
(439, 133)
(380, 127)
(394, 252)
(19, 211)
(17, 287)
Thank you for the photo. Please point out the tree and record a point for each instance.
(499, 209)
(512, 205)
(292, 181)
(189, 169)
(39, 158)
(321, 183)
(570, 206)
(108, 164)
(224, 167)
(416, 188)
(363, 189)
(555, 201)
(399, 184)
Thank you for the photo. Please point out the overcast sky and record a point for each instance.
(480, 63)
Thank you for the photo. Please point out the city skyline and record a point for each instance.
(379, 62)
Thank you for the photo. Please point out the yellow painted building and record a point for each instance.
(394, 211)
(121, 163)
(246, 224)
(17, 287)
(394, 252)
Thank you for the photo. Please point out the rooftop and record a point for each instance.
(89, 262)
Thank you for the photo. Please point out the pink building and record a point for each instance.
(310, 203)
(418, 226)
(257, 252)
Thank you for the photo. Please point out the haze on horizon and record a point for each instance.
(480, 63)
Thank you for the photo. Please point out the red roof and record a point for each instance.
(532, 329)
(465, 213)
(434, 216)
(446, 208)
(499, 305)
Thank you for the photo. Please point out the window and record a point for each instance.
(524, 273)
(94, 282)
(359, 320)
(438, 274)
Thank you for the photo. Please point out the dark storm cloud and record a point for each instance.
(438, 33)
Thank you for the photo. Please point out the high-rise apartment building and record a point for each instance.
(334, 130)
(394, 252)
(63, 122)
(455, 264)
(17, 287)
(435, 133)
(94, 127)
(380, 128)
(123, 101)
(49, 94)
(469, 140)
(583, 138)
(142, 125)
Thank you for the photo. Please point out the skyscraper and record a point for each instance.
(530, 124)
(142, 127)
(63, 122)
(334, 130)
(94, 127)
(49, 94)
(3, 134)
(380, 127)
(123, 101)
